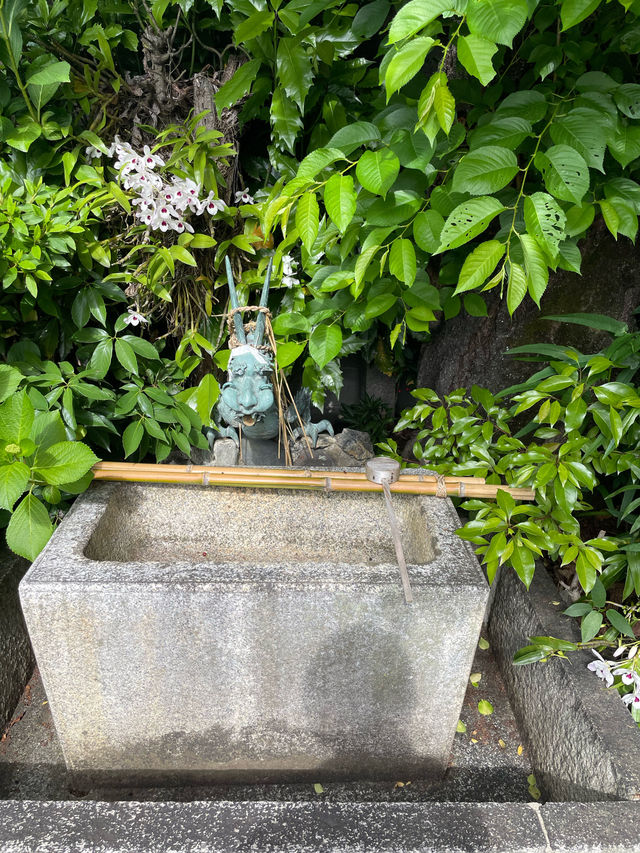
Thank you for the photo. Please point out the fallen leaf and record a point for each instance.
(485, 707)
(318, 788)
(520, 749)
(473, 740)
(461, 727)
(501, 744)
(483, 644)
(399, 785)
(475, 677)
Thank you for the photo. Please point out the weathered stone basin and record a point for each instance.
(253, 635)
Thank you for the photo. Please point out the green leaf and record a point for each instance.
(461, 727)
(317, 160)
(10, 34)
(294, 69)
(207, 396)
(285, 118)
(546, 220)
(16, 418)
(126, 356)
(101, 359)
(29, 529)
(288, 352)
(479, 265)
(572, 12)
(378, 170)
(590, 625)
(485, 170)
(627, 98)
(308, 219)
(620, 623)
(497, 20)
(53, 72)
(592, 321)
(485, 707)
(517, 287)
(536, 268)
(10, 379)
(65, 462)
(416, 14)
(475, 54)
(427, 227)
(325, 343)
(445, 107)
(179, 253)
(286, 324)
(140, 346)
(353, 136)
(14, 479)
(402, 261)
(468, 220)
(340, 200)
(406, 63)
(131, 437)
(252, 26)
(583, 130)
(238, 86)
(379, 304)
(565, 173)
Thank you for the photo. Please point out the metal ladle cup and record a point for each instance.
(384, 471)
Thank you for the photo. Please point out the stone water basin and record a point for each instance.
(204, 634)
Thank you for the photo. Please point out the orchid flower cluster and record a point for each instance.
(289, 277)
(161, 205)
(627, 670)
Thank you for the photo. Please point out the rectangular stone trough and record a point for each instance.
(208, 634)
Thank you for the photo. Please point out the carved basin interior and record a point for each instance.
(257, 526)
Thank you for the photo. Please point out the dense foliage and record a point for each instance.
(400, 158)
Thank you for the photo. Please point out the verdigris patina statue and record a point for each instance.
(247, 402)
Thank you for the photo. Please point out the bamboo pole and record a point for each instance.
(274, 479)
(289, 473)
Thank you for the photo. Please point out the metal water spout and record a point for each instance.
(384, 471)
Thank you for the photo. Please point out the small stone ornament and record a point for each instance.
(247, 402)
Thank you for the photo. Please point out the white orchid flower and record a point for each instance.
(243, 197)
(134, 318)
(601, 668)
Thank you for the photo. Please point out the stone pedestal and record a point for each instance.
(228, 634)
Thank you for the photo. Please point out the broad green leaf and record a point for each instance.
(238, 86)
(528, 104)
(180, 253)
(546, 220)
(288, 352)
(379, 304)
(16, 418)
(294, 69)
(53, 72)
(362, 264)
(370, 18)
(317, 160)
(572, 12)
(467, 221)
(206, 397)
(565, 173)
(590, 625)
(252, 26)
(414, 151)
(427, 227)
(29, 529)
(65, 462)
(416, 14)
(402, 261)
(620, 623)
(475, 54)
(101, 359)
(14, 478)
(290, 323)
(536, 268)
(126, 356)
(406, 63)
(131, 437)
(340, 200)
(497, 20)
(348, 138)
(517, 287)
(627, 98)
(508, 131)
(378, 170)
(325, 343)
(445, 107)
(485, 707)
(485, 170)
(582, 130)
(24, 135)
(479, 265)
(285, 118)
(308, 219)
(10, 379)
